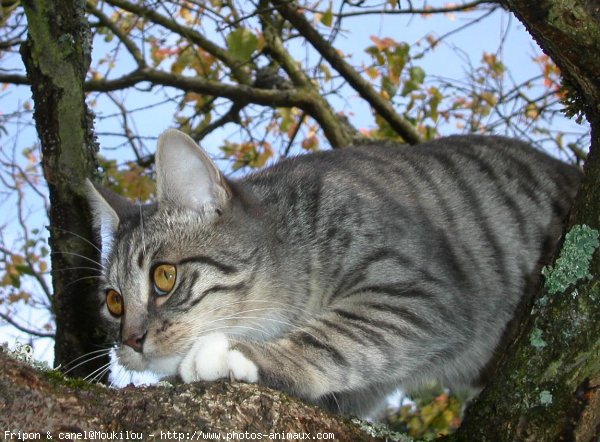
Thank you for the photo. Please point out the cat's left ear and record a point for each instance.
(186, 176)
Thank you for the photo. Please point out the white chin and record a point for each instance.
(131, 360)
(162, 366)
(166, 366)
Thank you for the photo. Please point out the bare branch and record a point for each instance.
(10, 43)
(130, 45)
(362, 86)
(24, 329)
(268, 97)
(14, 79)
(424, 11)
(231, 116)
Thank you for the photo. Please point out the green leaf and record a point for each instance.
(388, 86)
(327, 18)
(417, 74)
(24, 269)
(416, 78)
(186, 56)
(15, 280)
(242, 43)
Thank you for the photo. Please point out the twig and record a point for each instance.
(25, 329)
(130, 45)
(405, 129)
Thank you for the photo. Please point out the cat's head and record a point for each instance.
(183, 266)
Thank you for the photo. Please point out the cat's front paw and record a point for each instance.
(212, 358)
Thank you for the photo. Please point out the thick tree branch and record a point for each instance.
(337, 133)
(14, 79)
(383, 107)
(305, 99)
(35, 401)
(571, 36)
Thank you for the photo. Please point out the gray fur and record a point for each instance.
(344, 274)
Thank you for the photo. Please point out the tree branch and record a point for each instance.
(268, 97)
(111, 25)
(24, 329)
(363, 87)
(234, 64)
(14, 79)
(336, 132)
(424, 11)
(35, 401)
(305, 99)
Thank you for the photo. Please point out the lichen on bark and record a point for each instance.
(574, 260)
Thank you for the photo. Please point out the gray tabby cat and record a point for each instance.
(336, 276)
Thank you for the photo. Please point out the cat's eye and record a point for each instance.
(164, 276)
(114, 302)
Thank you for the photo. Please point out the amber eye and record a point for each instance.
(114, 302)
(164, 277)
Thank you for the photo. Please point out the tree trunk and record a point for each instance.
(57, 57)
(32, 401)
(548, 386)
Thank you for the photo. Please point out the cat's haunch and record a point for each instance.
(336, 276)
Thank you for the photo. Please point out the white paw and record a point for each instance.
(241, 368)
(210, 358)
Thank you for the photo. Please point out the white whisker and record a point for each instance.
(80, 237)
(76, 268)
(107, 350)
(81, 279)
(94, 373)
(80, 256)
(142, 228)
(86, 361)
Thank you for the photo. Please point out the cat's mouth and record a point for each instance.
(160, 365)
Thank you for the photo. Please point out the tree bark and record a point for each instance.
(57, 56)
(548, 386)
(32, 401)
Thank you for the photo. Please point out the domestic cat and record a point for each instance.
(336, 276)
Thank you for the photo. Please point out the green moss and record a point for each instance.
(553, 370)
(571, 16)
(58, 378)
(573, 263)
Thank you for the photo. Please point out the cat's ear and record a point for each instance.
(108, 208)
(186, 176)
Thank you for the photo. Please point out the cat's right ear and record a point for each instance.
(187, 177)
(107, 209)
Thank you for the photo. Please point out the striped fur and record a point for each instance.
(339, 275)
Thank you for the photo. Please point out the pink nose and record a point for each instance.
(136, 342)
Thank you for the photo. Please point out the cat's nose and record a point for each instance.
(136, 341)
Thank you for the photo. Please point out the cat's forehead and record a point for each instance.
(160, 234)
